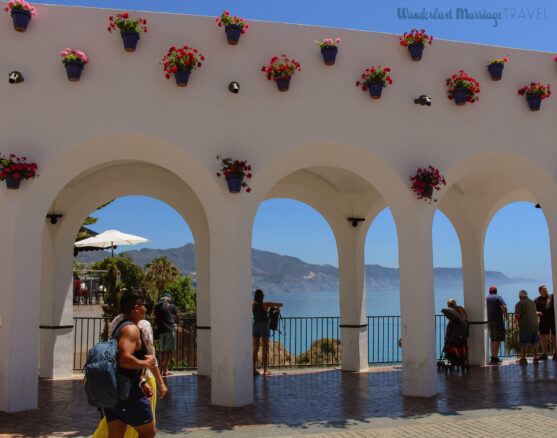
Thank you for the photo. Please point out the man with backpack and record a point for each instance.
(136, 410)
(165, 315)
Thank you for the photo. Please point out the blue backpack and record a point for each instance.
(104, 384)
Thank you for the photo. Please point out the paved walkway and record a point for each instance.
(486, 402)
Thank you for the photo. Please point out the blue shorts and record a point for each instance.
(529, 338)
(135, 411)
(261, 329)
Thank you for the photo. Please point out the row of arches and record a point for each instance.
(337, 180)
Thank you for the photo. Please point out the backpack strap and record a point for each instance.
(119, 327)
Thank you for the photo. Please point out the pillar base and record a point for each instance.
(354, 344)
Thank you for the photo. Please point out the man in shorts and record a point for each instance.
(136, 410)
(496, 309)
(546, 312)
(165, 315)
(527, 317)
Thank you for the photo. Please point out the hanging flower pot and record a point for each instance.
(495, 68)
(14, 169)
(129, 29)
(281, 70)
(234, 171)
(181, 62)
(21, 13)
(182, 77)
(329, 49)
(459, 95)
(415, 41)
(233, 32)
(282, 83)
(73, 70)
(375, 79)
(534, 94)
(233, 27)
(416, 51)
(375, 90)
(425, 181)
(130, 39)
(462, 88)
(234, 183)
(12, 183)
(534, 101)
(74, 61)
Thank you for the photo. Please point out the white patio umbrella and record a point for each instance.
(110, 238)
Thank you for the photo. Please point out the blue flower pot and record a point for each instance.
(416, 51)
(534, 101)
(233, 32)
(375, 90)
(459, 95)
(234, 184)
(12, 183)
(21, 19)
(74, 69)
(182, 77)
(496, 70)
(329, 54)
(283, 83)
(130, 38)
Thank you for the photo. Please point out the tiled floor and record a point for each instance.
(296, 403)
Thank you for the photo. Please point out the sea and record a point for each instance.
(387, 302)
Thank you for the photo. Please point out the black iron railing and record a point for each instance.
(299, 341)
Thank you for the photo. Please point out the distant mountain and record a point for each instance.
(278, 273)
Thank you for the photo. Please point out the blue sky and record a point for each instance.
(289, 227)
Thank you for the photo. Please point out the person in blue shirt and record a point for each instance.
(496, 309)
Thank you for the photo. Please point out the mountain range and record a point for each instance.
(275, 273)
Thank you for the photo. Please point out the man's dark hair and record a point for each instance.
(129, 300)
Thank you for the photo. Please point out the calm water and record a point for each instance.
(385, 302)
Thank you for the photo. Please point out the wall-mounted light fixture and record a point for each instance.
(423, 100)
(355, 220)
(15, 77)
(54, 218)
(537, 206)
(234, 87)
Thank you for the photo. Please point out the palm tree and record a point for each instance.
(161, 272)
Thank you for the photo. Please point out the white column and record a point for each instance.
(56, 340)
(230, 297)
(473, 277)
(351, 277)
(203, 308)
(550, 212)
(417, 306)
(19, 310)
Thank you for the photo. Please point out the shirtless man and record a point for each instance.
(136, 411)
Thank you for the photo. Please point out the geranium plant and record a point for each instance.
(73, 55)
(425, 181)
(130, 28)
(415, 36)
(544, 91)
(375, 75)
(463, 80)
(235, 170)
(14, 5)
(14, 169)
(499, 60)
(233, 27)
(125, 23)
(21, 12)
(185, 58)
(226, 20)
(327, 42)
(281, 68)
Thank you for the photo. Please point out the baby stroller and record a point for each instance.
(455, 348)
